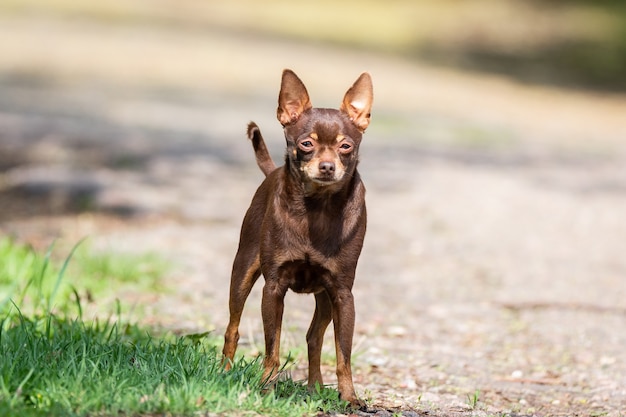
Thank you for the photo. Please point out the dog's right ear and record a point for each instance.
(293, 99)
(357, 103)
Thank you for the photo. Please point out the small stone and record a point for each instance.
(429, 397)
(607, 360)
(397, 331)
(410, 384)
(377, 361)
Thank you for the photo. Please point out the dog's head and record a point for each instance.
(323, 144)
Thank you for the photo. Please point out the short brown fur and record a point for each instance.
(305, 227)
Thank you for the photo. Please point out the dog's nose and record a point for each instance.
(327, 167)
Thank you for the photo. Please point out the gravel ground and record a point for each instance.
(494, 261)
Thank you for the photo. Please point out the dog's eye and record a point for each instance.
(346, 146)
(306, 145)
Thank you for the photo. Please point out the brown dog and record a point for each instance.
(305, 226)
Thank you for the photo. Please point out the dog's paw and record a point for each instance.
(357, 404)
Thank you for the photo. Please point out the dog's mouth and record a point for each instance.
(325, 179)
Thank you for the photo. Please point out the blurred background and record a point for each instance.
(86, 84)
(495, 166)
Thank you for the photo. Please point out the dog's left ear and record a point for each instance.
(357, 103)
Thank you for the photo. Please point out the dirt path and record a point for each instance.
(494, 257)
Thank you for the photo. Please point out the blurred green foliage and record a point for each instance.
(579, 43)
(592, 57)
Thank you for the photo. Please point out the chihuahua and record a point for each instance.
(305, 226)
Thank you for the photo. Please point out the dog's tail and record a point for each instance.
(263, 158)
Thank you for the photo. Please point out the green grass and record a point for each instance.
(472, 400)
(93, 276)
(56, 364)
(26, 278)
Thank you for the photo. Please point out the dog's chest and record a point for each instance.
(321, 228)
(306, 249)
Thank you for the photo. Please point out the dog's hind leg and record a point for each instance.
(246, 271)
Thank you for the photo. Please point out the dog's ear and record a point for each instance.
(293, 99)
(357, 103)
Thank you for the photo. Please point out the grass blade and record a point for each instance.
(61, 274)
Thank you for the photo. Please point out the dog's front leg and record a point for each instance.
(315, 337)
(343, 319)
(272, 306)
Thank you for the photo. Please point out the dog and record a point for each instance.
(305, 227)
